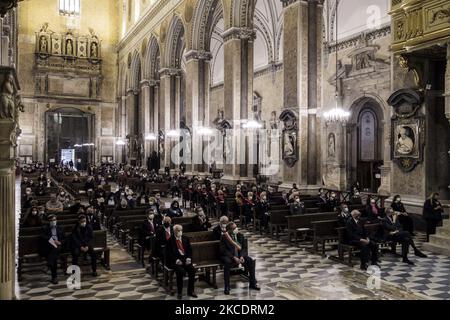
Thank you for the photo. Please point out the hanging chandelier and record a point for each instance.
(337, 114)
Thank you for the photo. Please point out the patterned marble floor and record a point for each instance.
(283, 271)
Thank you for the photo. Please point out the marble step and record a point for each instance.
(443, 231)
(440, 240)
(435, 248)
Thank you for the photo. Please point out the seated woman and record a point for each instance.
(201, 221)
(403, 218)
(175, 210)
(32, 219)
(373, 213)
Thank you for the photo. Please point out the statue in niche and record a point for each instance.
(273, 121)
(405, 143)
(220, 118)
(69, 47)
(363, 61)
(289, 145)
(43, 44)
(331, 146)
(94, 50)
(7, 99)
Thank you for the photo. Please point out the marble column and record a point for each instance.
(9, 131)
(238, 95)
(145, 114)
(197, 82)
(302, 52)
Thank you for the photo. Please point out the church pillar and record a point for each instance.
(447, 85)
(238, 96)
(155, 114)
(302, 52)
(197, 81)
(9, 131)
(145, 115)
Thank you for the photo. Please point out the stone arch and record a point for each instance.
(151, 60)
(206, 15)
(242, 13)
(175, 43)
(135, 72)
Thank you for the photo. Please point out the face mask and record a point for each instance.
(399, 200)
(166, 224)
(223, 226)
(151, 203)
(53, 223)
(151, 217)
(28, 192)
(357, 194)
(236, 231)
(346, 210)
(179, 234)
(201, 214)
(62, 194)
(83, 225)
(142, 200)
(297, 200)
(34, 213)
(372, 201)
(264, 198)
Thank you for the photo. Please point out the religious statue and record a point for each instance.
(405, 144)
(43, 44)
(273, 121)
(289, 145)
(331, 146)
(94, 50)
(220, 117)
(69, 47)
(7, 98)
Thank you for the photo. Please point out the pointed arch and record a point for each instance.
(206, 14)
(135, 71)
(151, 60)
(175, 43)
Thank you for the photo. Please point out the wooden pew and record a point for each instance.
(301, 224)
(324, 231)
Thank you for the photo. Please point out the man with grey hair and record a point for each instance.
(221, 228)
(357, 236)
(179, 258)
(54, 205)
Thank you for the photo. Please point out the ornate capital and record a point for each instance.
(198, 55)
(170, 72)
(239, 33)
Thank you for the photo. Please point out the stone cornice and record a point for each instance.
(239, 33)
(198, 55)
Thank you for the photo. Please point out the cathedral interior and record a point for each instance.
(334, 103)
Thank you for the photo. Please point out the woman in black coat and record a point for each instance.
(404, 219)
(432, 213)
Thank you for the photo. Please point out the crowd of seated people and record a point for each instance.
(167, 241)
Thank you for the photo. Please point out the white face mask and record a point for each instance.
(223, 226)
(151, 217)
(236, 231)
(179, 234)
(142, 200)
(83, 224)
(53, 223)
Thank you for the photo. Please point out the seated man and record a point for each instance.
(263, 210)
(82, 236)
(221, 228)
(201, 221)
(148, 229)
(297, 207)
(393, 232)
(357, 236)
(179, 258)
(344, 215)
(92, 218)
(53, 205)
(163, 235)
(52, 240)
(233, 251)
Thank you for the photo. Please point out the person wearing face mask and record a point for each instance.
(51, 244)
(41, 189)
(323, 200)
(148, 230)
(393, 231)
(123, 205)
(233, 252)
(33, 218)
(221, 228)
(297, 207)
(201, 221)
(111, 201)
(81, 243)
(76, 206)
(92, 218)
(333, 202)
(432, 213)
(179, 258)
(344, 215)
(356, 197)
(163, 235)
(357, 236)
(248, 207)
(373, 212)
(24, 182)
(403, 218)
(61, 196)
(54, 205)
(174, 210)
(263, 210)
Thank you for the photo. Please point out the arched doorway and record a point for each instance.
(69, 130)
(365, 150)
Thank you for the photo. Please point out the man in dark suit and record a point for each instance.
(92, 218)
(52, 243)
(233, 252)
(148, 230)
(82, 236)
(221, 228)
(358, 237)
(179, 258)
(163, 235)
(393, 231)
